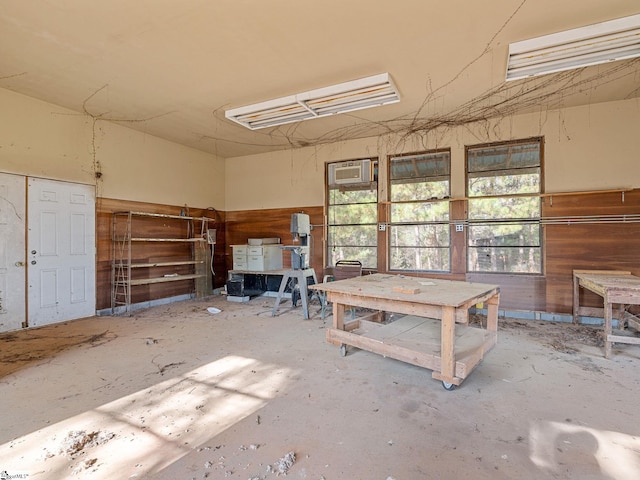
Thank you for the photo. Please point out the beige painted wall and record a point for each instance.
(42, 140)
(587, 148)
(594, 147)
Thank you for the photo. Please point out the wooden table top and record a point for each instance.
(410, 289)
(609, 279)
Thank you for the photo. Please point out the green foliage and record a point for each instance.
(499, 181)
(422, 190)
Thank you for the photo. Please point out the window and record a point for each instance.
(352, 217)
(419, 189)
(503, 185)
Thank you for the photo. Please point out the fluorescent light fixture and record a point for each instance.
(345, 97)
(591, 45)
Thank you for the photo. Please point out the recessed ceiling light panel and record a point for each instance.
(366, 92)
(591, 45)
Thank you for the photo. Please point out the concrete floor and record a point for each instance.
(175, 392)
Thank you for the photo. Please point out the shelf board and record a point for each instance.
(189, 240)
(147, 281)
(164, 264)
(164, 215)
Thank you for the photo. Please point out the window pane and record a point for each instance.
(353, 243)
(352, 217)
(504, 234)
(419, 247)
(407, 258)
(505, 259)
(419, 190)
(419, 235)
(420, 212)
(500, 181)
(368, 256)
(426, 165)
(350, 214)
(336, 197)
(352, 235)
(504, 208)
(415, 243)
(504, 184)
(503, 157)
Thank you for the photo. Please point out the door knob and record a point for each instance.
(33, 252)
(33, 262)
(19, 264)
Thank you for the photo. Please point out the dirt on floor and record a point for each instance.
(177, 392)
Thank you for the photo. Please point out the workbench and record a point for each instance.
(615, 287)
(433, 330)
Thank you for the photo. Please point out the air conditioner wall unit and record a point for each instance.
(349, 173)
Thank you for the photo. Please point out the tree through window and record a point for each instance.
(419, 238)
(352, 220)
(504, 183)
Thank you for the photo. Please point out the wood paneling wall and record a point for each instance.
(569, 244)
(600, 245)
(245, 224)
(152, 251)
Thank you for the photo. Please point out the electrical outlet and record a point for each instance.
(459, 227)
(382, 227)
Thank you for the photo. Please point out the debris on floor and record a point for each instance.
(77, 440)
(285, 463)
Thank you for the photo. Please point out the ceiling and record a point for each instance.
(171, 68)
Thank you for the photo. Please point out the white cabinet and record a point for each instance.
(239, 257)
(257, 258)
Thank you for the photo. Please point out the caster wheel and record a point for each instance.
(448, 386)
(343, 350)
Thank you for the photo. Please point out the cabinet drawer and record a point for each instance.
(239, 249)
(255, 262)
(240, 263)
(262, 263)
(264, 250)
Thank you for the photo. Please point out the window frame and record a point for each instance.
(446, 223)
(505, 221)
(371, 186)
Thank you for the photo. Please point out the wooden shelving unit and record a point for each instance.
(128, 244)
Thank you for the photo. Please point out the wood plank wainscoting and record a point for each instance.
(275, 223)
(589, 231)
(582, 230)
(153, 251)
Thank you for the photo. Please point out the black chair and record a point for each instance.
(343, 270)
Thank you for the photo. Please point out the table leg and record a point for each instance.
(608, 313)
(576, 299)
(447, 351)
(492, 313)
(338, 316)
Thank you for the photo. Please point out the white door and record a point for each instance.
(12, 252)
(60, 251)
